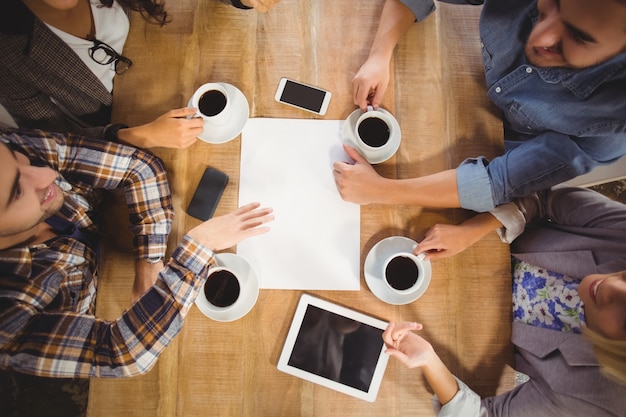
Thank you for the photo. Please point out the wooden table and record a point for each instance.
(437, 93)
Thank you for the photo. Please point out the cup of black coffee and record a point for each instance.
(403, 272)
(373, 131)
(222, 287)
(212, 102)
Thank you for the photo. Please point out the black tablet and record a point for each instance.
(336, 347)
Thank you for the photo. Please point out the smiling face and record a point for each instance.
(577, 33)
(28, 195)
(604, 298)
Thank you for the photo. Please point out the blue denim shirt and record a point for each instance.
(559, 123)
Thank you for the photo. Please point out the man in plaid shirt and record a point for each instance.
(49, 190)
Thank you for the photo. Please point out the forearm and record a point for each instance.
(132, 136)
(395, 20)
(440, 379)
(436, 190)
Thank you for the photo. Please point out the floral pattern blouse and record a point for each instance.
(546, 299)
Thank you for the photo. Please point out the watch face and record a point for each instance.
(152, 260)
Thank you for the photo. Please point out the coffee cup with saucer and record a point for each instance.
(224, 109)
(396, 253)
(374, 133)
(231, 289)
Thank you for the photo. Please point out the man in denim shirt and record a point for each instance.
(557, 70)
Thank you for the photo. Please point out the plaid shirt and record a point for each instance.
(47, 290)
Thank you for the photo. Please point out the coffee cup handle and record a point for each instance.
(370, 108)
(421, 256)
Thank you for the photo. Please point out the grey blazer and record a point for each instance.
(43, 83)
(576, 232)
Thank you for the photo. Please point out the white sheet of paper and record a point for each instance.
(314, 243)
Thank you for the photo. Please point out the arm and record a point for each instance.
(445, 240)
(370, 82)
(171, 130)
(360, 183)
(81, 345)
(415, 352)
(536, 164)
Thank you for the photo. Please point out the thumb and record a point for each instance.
(354, 154)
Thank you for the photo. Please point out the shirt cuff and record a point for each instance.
(194, 256)
(421, 9)
(465, 403)
(150, 246)
(474, 185)
(512, 219)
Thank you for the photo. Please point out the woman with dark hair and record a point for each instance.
(58, 60)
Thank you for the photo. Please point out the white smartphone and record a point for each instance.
(303, 96)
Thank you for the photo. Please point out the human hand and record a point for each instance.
(370, 82)
(226, 231)
(444, 240)
(356, 182)
(409, 348)
(262, 6)
(171, 130)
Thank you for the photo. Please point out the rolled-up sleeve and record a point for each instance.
(421, 9)
(465, 403)
(474, 185)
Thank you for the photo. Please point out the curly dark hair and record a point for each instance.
(151, 10)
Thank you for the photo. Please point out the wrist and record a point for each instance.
(134, 136)
(111, 132)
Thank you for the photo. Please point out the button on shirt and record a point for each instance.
(47, 290)
(559, 123)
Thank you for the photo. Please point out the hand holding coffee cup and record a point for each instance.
(213, 104)
(404, 272)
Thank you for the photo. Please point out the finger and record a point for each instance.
(354, 154)
(377, 97)
(182, 112)
(246, 208)
(360, 96)
(387, 333)
(339, 166)
(256, 214)
(401, 329)
(434, 255)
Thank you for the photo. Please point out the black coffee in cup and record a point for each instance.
(212, 103)
(401, 273)
(222, 288)
(374, 132)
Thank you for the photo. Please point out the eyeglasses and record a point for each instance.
(104, 54)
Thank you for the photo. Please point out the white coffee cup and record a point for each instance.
(213, 103)
(374, 133)
(404, 272)
(222, 288)
(374, 129)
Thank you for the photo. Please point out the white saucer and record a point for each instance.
(373, 267)
(247, 297)
(386, 152)
(240, 113)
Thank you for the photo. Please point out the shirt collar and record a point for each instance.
(582, 82)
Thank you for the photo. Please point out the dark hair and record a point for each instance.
(17, 19)
(151, 10)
